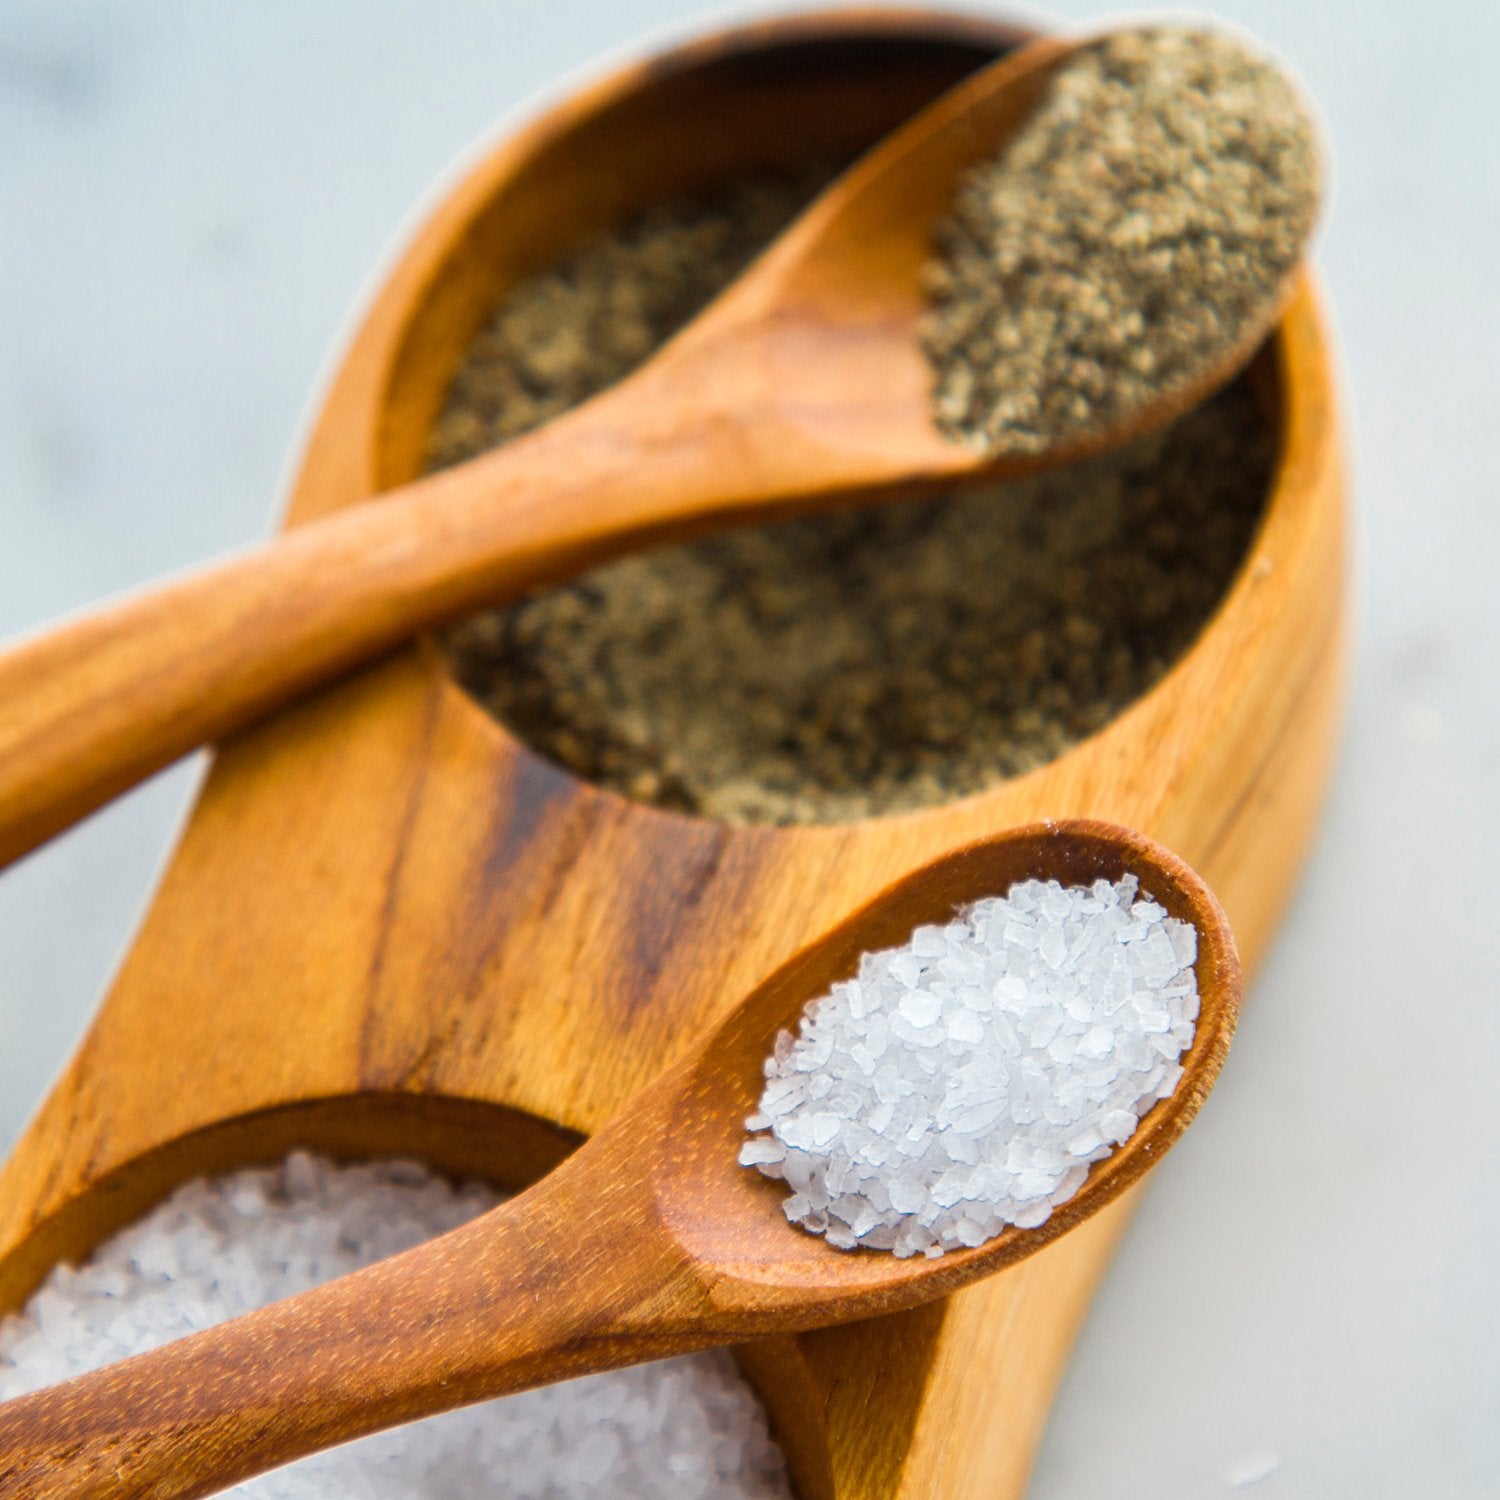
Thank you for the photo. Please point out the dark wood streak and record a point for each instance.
(584, 815)
(537, 792)
(661, 906)
(411, 805)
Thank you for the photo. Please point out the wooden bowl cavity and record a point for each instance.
(638, 148)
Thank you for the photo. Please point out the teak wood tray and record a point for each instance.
(390, 928)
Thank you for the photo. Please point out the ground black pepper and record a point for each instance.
(849, 664)
(1149, 208)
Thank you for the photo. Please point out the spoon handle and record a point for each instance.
(98, 704)
(559, 1282)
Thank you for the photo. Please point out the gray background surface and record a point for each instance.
(190, 198)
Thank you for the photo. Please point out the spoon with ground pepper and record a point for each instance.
(650, 1240)
(844, 365)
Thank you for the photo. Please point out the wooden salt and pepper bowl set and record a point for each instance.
(650, 1240)
(453, 908)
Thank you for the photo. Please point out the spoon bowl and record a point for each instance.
(651, 1240)
(731, 1218)
(803, 386)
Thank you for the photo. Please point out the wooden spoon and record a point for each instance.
(802, 386)
(651, 1240)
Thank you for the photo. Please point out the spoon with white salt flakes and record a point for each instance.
(842, 366)
(651, 1240)
(968, 1079)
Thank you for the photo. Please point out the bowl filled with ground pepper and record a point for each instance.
(551, 842)
(878, 661)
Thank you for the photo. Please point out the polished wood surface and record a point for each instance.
(390, 927)
(649, 1241)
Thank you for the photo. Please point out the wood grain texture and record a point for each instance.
(649, 1241)
(389, 926)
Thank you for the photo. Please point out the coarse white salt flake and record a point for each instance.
(681, 1429)
(1017, 1045)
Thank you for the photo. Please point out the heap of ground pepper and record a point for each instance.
(1149, 208)
(850, 664)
